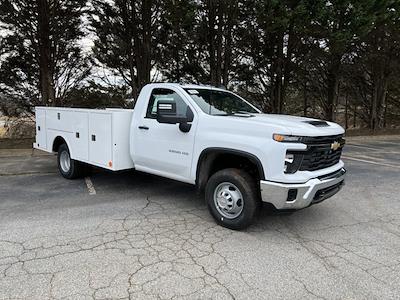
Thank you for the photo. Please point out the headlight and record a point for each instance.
(286, 138)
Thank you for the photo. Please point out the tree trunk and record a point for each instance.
(382, 101)
(378, 99)
(384, 116)
(220, 24)
(231, 17)
(133, 76)
(287, 65)
(374, 108)
(128, 15)
(332, 89)
(144, 50)
(346, 116)
(305, 102)
(278, 76)
(211, 40)
(45, 60)
(280, 72)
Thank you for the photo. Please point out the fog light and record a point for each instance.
(289, 158)
(292, 195)
(292, 162)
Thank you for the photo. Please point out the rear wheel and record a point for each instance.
(232, 198)
(68, 167)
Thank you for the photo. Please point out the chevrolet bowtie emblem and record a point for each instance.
(335, 145)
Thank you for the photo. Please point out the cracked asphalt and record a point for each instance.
(144, 237)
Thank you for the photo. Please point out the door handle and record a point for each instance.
(144, 127)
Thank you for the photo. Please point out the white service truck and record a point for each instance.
(204, 136)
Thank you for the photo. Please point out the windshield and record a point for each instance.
(220, 103)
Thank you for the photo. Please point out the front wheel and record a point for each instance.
(68, 167)
(232, 197)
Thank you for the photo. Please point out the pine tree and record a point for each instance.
(178, 56)
(41, 60)
(272, 43)
(334, 32)
(126, 38)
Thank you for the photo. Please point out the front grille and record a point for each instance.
(322, 140)
(319, 158)
(319, 153)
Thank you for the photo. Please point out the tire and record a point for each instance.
(232, 198)
(71, 170)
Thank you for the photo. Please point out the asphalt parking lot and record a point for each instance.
(132, 235)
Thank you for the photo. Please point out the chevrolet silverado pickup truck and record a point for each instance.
(208, 137)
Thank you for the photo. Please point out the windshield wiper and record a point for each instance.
(242, 112)
(238, 113)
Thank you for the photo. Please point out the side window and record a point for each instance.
(165, 95)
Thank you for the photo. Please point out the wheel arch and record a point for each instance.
(210, 159)
(58, 141)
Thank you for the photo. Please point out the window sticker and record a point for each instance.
(193, 92)
(164, 98)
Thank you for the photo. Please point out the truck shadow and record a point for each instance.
(177, 195)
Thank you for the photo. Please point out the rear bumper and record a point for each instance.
(297, 196)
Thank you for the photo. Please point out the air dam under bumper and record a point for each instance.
(300, 195)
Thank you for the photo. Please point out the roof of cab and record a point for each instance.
(188, 86)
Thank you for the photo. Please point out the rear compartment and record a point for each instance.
(95, 136)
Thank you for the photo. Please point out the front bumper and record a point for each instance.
(297, 196)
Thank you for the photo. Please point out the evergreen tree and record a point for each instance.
(40, 57)
(376, 64)
(334, 32)
(272, 43)
(310, 57)
(126, 38)
(178, 55)
(218, 24)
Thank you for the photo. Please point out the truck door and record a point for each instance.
(163, 149)
(41, 135)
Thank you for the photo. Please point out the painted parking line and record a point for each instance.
(371, 162)
(90, 186)
(387, 142)
(370, 157)
(362, 146)
(371, 152)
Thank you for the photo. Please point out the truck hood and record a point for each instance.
(295, 125)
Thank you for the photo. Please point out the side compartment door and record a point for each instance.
(163, 149)
(80, 136)
(100, 139)
(41, 128)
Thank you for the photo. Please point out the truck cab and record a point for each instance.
(216, 140)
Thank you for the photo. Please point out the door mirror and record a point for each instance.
(185, 126)
(166, 113)
(189, 114)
